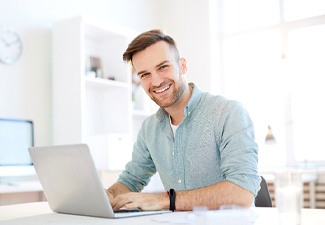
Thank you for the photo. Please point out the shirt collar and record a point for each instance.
(194, 100)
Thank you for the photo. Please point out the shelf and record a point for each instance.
(104, 83)
(17, 187)
(101, 31)
(95, 107)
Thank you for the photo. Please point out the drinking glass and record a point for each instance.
(289, 197)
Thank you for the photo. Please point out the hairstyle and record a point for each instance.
(147, 39)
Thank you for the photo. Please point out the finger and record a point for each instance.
(132, 205)
(119, 201)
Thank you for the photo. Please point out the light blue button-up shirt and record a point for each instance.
(215, 142)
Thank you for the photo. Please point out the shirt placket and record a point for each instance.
(178, 160)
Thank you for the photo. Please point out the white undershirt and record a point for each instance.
(173, 126)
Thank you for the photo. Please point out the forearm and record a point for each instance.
(118, 188)
(223, 193)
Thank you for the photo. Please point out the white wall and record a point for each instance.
(25, 87)
(194, 24)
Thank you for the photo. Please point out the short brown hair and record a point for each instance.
(147, 39)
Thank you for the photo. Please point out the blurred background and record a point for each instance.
(266, 54)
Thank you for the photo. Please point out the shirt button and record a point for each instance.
(179, 181)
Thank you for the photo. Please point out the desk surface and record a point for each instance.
(40, 213)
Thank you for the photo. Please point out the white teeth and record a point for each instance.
(162, 90)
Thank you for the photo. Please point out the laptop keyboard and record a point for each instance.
(127, 210)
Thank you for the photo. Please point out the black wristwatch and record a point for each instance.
(172, 199)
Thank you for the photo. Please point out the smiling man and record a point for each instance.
(201, 145)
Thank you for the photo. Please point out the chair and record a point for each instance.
(263, 198)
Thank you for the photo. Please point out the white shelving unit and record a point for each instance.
(94, 110)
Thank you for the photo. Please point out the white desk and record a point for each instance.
(40, 214)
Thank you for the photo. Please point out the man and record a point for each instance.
(201, 145)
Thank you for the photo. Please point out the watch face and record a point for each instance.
(10, 46)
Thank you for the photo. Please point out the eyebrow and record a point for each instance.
(160, 64)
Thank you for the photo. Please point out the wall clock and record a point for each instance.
(11, 45)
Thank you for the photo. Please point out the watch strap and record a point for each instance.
(172, 199)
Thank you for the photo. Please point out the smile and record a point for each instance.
(158, 91)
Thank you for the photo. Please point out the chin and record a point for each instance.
(164, 104)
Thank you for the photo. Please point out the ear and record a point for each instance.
(182, 65)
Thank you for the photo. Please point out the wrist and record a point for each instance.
(172, 199)
(164, 201)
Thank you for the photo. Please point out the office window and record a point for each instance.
(306, 54)
(300, 9)
(239, 15)
(274, 67)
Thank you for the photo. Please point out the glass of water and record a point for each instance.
(289, 196)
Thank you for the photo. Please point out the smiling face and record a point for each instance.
(161, 73)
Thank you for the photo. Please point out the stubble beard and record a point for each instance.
(175, 96)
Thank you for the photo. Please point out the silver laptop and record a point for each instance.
(71, 182)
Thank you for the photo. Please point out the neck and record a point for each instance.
(176, 111)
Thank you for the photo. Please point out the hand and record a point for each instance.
(144, 201)
(110, 195)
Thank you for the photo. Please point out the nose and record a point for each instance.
(156, 79)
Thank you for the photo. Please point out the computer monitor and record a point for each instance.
(16, 136)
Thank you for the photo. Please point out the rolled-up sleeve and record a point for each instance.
(238, 149)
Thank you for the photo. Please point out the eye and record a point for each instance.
(143, 75)
(163, 67)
